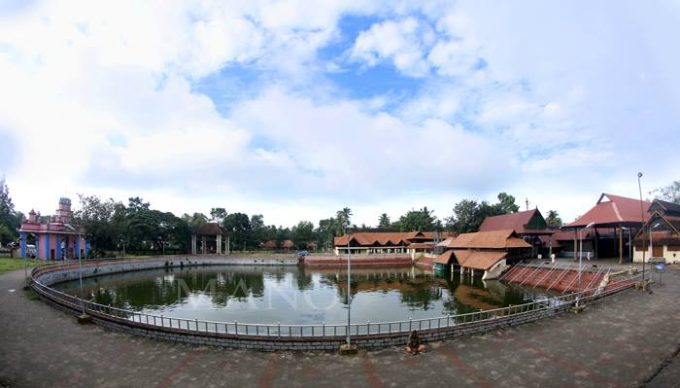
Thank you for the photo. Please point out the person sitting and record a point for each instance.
(413, 345)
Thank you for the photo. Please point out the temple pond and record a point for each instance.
(291, 295)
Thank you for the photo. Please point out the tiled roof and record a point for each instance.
(613, 210)
(515, 221)
(444, 258)
(498, 239)
(420, 245)
(288, 244)
(478, 259)
(379, 238)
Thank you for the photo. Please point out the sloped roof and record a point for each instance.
(478, 259)
(497, 239)
(420, 245)
(444, 258)
(288, 244)
(210, 229)
(381, 238)
(515, 221)
(613, 210)
(665, 207)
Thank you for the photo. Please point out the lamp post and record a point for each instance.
(349, 287)
(580, 251)
(642, 219)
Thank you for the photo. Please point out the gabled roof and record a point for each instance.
(478, 259)
(665, 207)
(516, 221)
(612, 210)
(444, 258)
(498, 239)
(380, 238)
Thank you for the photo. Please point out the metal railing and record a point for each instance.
(491, 318)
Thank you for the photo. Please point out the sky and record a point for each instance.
(295, 109)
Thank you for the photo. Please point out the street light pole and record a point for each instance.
(349, 288)
(642, 218)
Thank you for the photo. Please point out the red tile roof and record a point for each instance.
(444, 258)
(515, 221)
(478, 259)
(612, 210)
(386, 238)
(498, 239)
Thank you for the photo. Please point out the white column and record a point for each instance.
(218, 250)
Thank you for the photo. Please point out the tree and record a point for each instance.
(195, 220)
(506, 204)
(217, 214)
(553, 219)
(239, 229)
(303, 233)
(417, 220)
(95, 215)
(466, 216)
(670, 193)
(384, 222)
(343, 220)
(10, 220)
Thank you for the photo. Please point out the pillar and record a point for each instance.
(575, 245)
(620, 246)
(193, 244)
(47, 247)
(218, 249)
(203, 244)
(228, 246)
(76, 248)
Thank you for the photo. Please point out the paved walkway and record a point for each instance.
(627, 340)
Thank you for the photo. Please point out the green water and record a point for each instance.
(293, 296)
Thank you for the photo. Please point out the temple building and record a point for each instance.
(388, 242)
(528, 225)
(601, 231)
(489, 252)
(659, 238)
(56, 239)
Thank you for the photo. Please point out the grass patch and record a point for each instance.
(14, 264)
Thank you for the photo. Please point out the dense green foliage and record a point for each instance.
(10, 220)
(469, 214)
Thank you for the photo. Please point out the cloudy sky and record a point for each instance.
(295, 109)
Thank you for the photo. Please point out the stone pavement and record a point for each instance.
(630, 339)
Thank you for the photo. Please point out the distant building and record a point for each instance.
(529, 225)
(388, 242)
(56, 239)
(659, 238)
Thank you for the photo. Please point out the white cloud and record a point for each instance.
(400, 42)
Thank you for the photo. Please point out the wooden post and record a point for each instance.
(575, 243)
(620, 246)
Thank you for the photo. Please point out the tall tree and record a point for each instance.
(95, 215)
(670, 193)
(302, 234)
(10, 220)
(506, 204)
(384, 222)
(343, 220)
(417, 220)
(217, 214)
(239, 229)
(553, 219)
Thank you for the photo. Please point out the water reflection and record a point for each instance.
(292, 295)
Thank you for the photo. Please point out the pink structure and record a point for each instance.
(55, 240)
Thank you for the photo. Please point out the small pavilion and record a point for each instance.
(214, 239)
(611, 216)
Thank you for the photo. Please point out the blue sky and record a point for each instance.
(295, 111)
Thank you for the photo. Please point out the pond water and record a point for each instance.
(290, 295)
